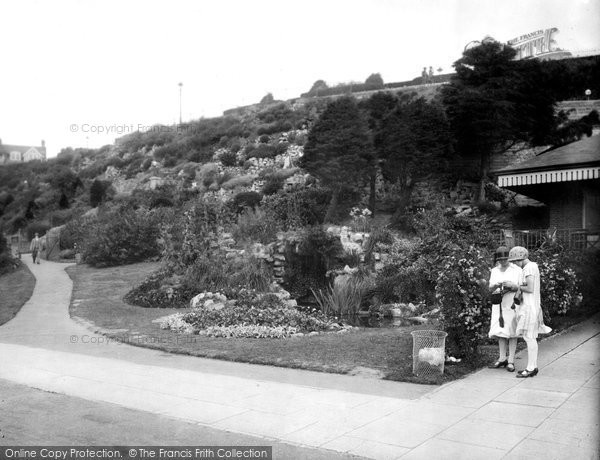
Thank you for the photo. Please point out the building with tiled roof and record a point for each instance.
(21, 153)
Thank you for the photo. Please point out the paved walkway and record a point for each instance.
(490, 414)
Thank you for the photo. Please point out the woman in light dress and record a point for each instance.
(504, 281)
(530, 318)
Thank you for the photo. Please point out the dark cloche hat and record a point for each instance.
(501, 253)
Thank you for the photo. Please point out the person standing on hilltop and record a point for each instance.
(36, 247)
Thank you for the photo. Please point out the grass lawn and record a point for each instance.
(15, 289)
(97, 297)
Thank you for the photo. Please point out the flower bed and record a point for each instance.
(252, 315)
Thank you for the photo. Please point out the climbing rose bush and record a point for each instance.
(461, 290)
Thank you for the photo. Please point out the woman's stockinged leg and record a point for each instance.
(512, 349)
(532, 352)
(502, 349)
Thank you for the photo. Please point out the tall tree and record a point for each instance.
(412, 142)
(494, 101)
(377, 107)
(339, 149)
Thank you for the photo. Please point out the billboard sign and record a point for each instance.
(535, 44)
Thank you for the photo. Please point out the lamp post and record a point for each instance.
(588, 93)
(180, 86)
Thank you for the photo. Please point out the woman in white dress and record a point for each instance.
(504, 281)
(530, 318)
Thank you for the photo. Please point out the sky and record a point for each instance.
(81, 73)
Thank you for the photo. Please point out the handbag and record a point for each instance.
(496, 298)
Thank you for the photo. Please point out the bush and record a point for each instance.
(281, 148)
(246, 200)
(239, 181)
(67, 254)
(7, 263)
(36, 227)
(208, 174)
(228, 158)
(272, 185)
(120, 236)
(217, 273)
(154, 292)
(262, 151)
(461, 290)
(255, 225)
(298, 208)
(264, 139)
(560, 286)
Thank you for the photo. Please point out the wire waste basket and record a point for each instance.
(429, 352)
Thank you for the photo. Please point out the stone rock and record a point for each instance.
(313, 333)
(292, 303)
(396, 312)
(418, 319)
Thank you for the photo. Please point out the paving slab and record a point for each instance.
(532, 449)
(442, 449)
(578, 434)
(502, 436)
(533, 397)
(518, 414)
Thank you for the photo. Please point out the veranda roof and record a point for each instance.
(572, 162)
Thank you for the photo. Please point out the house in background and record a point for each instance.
(567, 181)
(21, 153)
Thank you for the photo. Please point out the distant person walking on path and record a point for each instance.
(36, 248)
(504, 282)
(530, 318)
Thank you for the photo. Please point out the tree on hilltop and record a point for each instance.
(339, 149)
(267, 99)
(374, 81)
(494, 102)
(317, 86)
(413, 141)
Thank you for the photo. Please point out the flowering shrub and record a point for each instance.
(559, 284)
(461, 290)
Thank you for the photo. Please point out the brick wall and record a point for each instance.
(566, 210)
